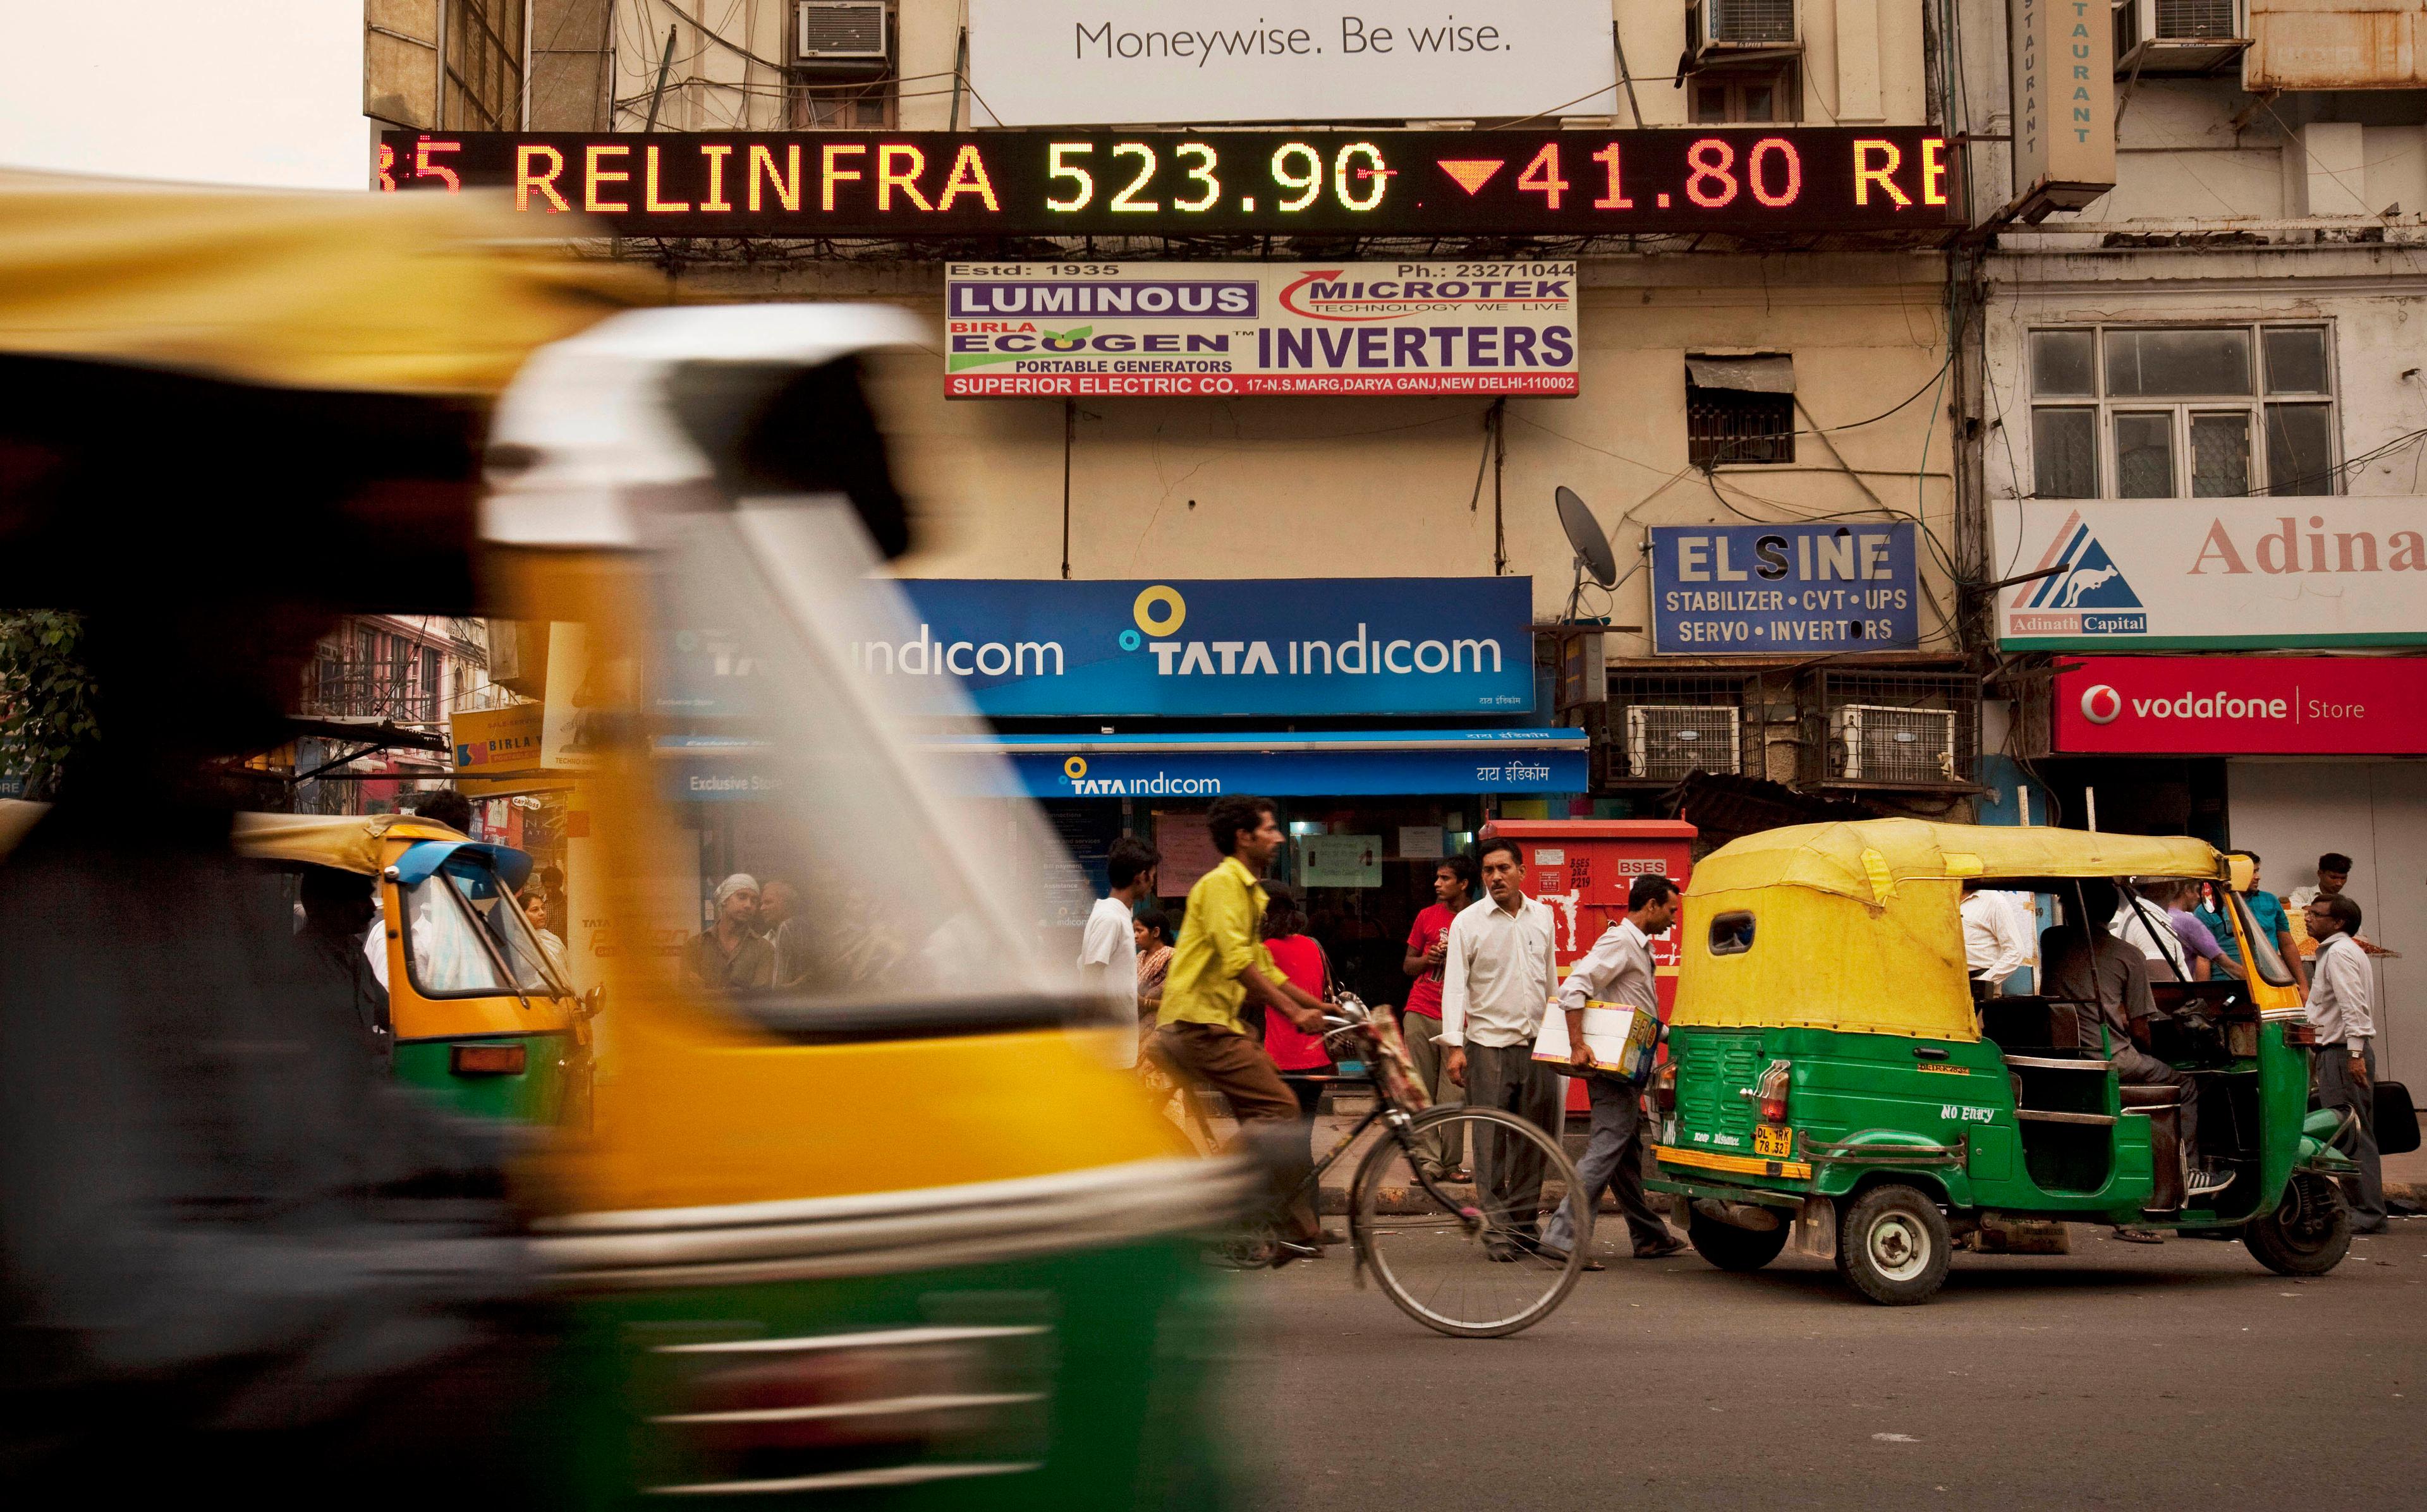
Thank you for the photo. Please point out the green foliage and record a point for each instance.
(48, 705)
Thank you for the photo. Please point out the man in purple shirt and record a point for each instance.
(2199, 942)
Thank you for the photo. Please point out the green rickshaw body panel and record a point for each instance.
(547, 1090)
(1116, 1345)
(1895, 1090)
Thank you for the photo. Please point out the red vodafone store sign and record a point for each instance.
(2243, 706)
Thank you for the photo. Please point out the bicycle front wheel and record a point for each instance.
(1466, 1261)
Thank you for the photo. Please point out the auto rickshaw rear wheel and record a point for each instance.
(1732, 1248)
(2309, 1231)
(1893, 1244)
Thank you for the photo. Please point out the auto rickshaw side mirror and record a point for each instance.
(594, 1002)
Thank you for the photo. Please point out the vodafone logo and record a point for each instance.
(2101, 704)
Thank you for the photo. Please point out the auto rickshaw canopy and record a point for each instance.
(1854, 925)
(349, 842)
(372, 293)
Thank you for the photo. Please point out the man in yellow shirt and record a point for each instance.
(1219, 962)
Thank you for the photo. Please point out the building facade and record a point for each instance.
(2204, 427)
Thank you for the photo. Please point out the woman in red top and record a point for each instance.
(1301, 960)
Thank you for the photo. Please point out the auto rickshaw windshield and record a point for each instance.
(466, 936)
(783, 691)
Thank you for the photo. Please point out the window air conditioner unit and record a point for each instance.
(1673, 740)
(2177, 36)
(842, 31)
(1733, 23)
(1873, 742)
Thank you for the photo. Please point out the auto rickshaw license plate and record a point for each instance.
(1773, 1141)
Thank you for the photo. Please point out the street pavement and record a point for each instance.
(2124, 1375)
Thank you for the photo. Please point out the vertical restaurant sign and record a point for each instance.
(1754, 590)
(1104, 330)
(2125, 575)
(2063, 56)
(1215, 647)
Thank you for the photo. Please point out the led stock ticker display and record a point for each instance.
(1746, 179)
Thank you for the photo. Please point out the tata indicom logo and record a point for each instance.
(2101, 704)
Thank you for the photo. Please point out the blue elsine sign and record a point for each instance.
(1213, 647)
(1748, 589)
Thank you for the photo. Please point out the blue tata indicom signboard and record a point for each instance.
(1751, 590)
(1211, 647)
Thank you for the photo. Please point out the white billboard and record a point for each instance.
(2144, 575)
(1150, 329)
(1173, 62)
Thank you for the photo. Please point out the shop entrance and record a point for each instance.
(2375, 812)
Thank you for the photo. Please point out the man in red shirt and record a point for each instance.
(1427, 946)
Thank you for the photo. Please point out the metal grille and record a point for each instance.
(1731, 425)
(1660, 729)
(1673, 740)
(842, 29)
(1752, 21)
(1891, 729)
(2195, 19)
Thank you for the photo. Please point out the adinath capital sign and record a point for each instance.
(1043, 330)
(2257, 572)
(1214, 648)
(2228, 706)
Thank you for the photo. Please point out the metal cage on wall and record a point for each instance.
(1888, 730)
(1654, 731)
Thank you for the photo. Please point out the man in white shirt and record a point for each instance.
(2341, 1008)
(1618, 970)
(1108, 949)
(1496, 982)
(1995, 944)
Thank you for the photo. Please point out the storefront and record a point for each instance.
(2290, 756)
(1387, 718)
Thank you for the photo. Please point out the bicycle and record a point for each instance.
(1469, 1266)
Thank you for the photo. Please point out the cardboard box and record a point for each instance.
(1618, 1038)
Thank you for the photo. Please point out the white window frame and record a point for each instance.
(2180, 408)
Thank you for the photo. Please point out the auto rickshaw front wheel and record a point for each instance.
(2309, 1231)
(1893, 1244)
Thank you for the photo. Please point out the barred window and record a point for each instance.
(2185, 412)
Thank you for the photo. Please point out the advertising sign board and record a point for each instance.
(1218, 647)
(1757, 590)
(1499, 184)
(2063, 56)
(1024, 330)
(2177, 573)
(2243, 706)
(491, 740)
(1066, 62)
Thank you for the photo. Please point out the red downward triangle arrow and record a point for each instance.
(1472, 172)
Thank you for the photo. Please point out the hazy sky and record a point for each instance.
(227, 91)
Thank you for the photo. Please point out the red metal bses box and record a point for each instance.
(1582, 869)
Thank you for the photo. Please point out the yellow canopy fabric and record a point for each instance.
(380, 293)
(1855, 926)
(347, 842)
(1867, 859)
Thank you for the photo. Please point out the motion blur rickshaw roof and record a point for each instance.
(1864, 858)
(425, 294)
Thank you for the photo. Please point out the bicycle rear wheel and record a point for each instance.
(1471, 1267)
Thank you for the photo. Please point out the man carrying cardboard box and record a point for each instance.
(1616, 970)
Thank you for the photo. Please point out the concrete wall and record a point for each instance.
(1359, 487)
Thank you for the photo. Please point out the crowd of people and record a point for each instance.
(2176, 930)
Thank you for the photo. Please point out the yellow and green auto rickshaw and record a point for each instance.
(478, 1015)
(1832, 1081)
(892, 1225)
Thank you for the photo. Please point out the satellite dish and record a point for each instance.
(1584, 534)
